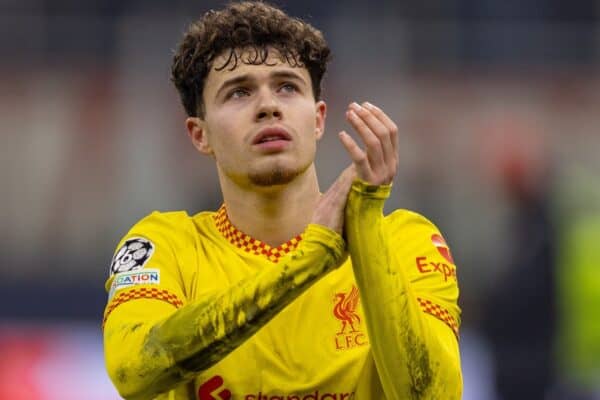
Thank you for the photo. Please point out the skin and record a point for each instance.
(239, 103)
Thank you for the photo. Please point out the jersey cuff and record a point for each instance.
(367, 190)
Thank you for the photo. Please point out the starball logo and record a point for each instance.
(350, 334)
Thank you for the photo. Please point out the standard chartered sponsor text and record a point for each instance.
(316, 395)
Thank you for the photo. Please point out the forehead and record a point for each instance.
(248, 62)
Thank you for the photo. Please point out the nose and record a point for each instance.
(268, 107)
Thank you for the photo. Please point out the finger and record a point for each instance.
(333, 201)
(348, 174)
(358, 156)
(382, 132)
(372, 143)
(329, 210)
(344, 181)
(387, 121)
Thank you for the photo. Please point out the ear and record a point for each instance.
(197, 133)
(321, 115)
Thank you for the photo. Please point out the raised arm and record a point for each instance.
(411, 317)
(412, 320)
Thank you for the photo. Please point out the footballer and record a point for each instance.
(284, 292)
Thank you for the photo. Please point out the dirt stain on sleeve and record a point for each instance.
(419, 367)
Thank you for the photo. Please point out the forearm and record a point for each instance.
(411, 359)
(200, 334)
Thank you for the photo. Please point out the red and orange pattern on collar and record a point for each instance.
(247, 243)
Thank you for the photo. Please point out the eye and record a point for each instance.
(238, 93)
(288, 87)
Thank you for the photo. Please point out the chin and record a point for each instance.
(276, 176)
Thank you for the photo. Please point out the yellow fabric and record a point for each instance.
(415, 355)
(294, 329)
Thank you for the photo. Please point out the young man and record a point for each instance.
(258, 300)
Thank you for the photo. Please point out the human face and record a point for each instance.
(261, 122)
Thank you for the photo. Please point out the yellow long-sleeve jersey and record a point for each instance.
(199, 310)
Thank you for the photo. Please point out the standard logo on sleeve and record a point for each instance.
(133, 255)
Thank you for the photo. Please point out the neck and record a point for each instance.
(275, 214)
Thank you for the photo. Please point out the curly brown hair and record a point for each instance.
(252, 26)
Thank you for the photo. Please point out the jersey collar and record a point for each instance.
(247, 243)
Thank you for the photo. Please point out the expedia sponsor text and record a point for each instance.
(425, 266)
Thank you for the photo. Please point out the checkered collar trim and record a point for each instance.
(247, 243)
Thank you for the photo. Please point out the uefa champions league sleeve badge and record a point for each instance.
(132, 256)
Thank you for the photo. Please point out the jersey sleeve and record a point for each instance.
(427, 261)
(145, 286)
(411, 316)
(146, 266)
(156, 339)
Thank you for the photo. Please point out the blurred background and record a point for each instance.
(497, 104)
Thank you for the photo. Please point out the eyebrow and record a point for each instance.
(248, 77)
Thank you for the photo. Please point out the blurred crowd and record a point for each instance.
(497, 107)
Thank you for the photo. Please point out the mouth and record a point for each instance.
(271, 134)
